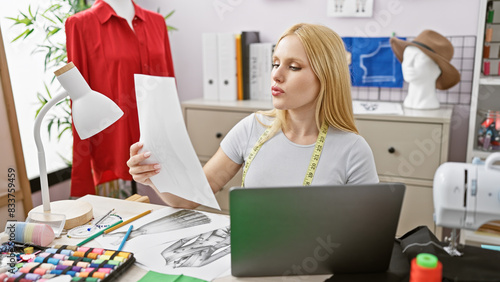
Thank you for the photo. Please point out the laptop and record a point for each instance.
(283, 231)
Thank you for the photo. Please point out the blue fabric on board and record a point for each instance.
(373, 63)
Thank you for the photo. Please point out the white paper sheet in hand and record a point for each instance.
(164, 134)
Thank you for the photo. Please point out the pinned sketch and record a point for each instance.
(164, 134)
(373, 62)
(350, 8)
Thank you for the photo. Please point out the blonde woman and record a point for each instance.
(309, 138)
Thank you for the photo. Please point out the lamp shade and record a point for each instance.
(92, 112)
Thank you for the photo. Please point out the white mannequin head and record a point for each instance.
(421, 72)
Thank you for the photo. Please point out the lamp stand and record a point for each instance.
(92, 112)
(77, 212)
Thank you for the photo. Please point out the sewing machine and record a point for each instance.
(466, 195)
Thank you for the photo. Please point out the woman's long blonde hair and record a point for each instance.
(327, 56)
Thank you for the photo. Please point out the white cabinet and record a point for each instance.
(407, 148)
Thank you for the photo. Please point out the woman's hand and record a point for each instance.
(141, 172)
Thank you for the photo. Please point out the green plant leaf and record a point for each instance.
(42, 99)
(53, 31)
(24, 34)
(25, 21)
(169, 14)
(33, 16)
(38, 110)
(67, 128)
(60, 19)
(49, 127)
(49, 19)
(17, 21)
(59, 103)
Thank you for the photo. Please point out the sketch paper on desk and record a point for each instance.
(205, 255)
(164, 134)
(376, 107)
(175, 241)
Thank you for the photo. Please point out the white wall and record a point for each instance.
(193, 17)
(272, 17)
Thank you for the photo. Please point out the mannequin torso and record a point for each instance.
(421, 72)
(124, 9)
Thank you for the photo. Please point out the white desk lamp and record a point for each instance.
(92, 112)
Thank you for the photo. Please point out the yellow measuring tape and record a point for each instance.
(313, 163)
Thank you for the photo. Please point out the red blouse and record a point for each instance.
(108, 53)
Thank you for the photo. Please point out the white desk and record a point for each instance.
(128, 209)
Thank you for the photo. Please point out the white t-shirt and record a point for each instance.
(346, 157)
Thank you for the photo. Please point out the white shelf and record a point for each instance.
(489, 80)
(480, 153)
(481, 97)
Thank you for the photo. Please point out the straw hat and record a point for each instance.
(438, 48)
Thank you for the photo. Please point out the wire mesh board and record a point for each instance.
(460, 94)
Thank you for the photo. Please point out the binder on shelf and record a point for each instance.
(491, 51)
(488, 34)
(260, 70)
(239, 68)
(227, 66)
(495, 36)
(489, 16)
(486, 67)
(267, 55)
(247, 38)
(493, 13)
(491, 66)
(486, 51)
(210, 66)
(254, 83)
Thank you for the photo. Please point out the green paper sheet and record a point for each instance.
(153, 276)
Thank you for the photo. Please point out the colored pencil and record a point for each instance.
(125, 238)
(127, 221)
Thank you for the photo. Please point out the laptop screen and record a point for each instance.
(283, 231)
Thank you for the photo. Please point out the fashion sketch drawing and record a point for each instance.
(198, 250)
(178, 220)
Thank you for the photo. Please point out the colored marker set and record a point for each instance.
(82, 263)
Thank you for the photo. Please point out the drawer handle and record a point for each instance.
(218, 135)
(391, 150)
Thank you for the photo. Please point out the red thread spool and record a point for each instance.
(426, 268)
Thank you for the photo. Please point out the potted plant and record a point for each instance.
(49, 22)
